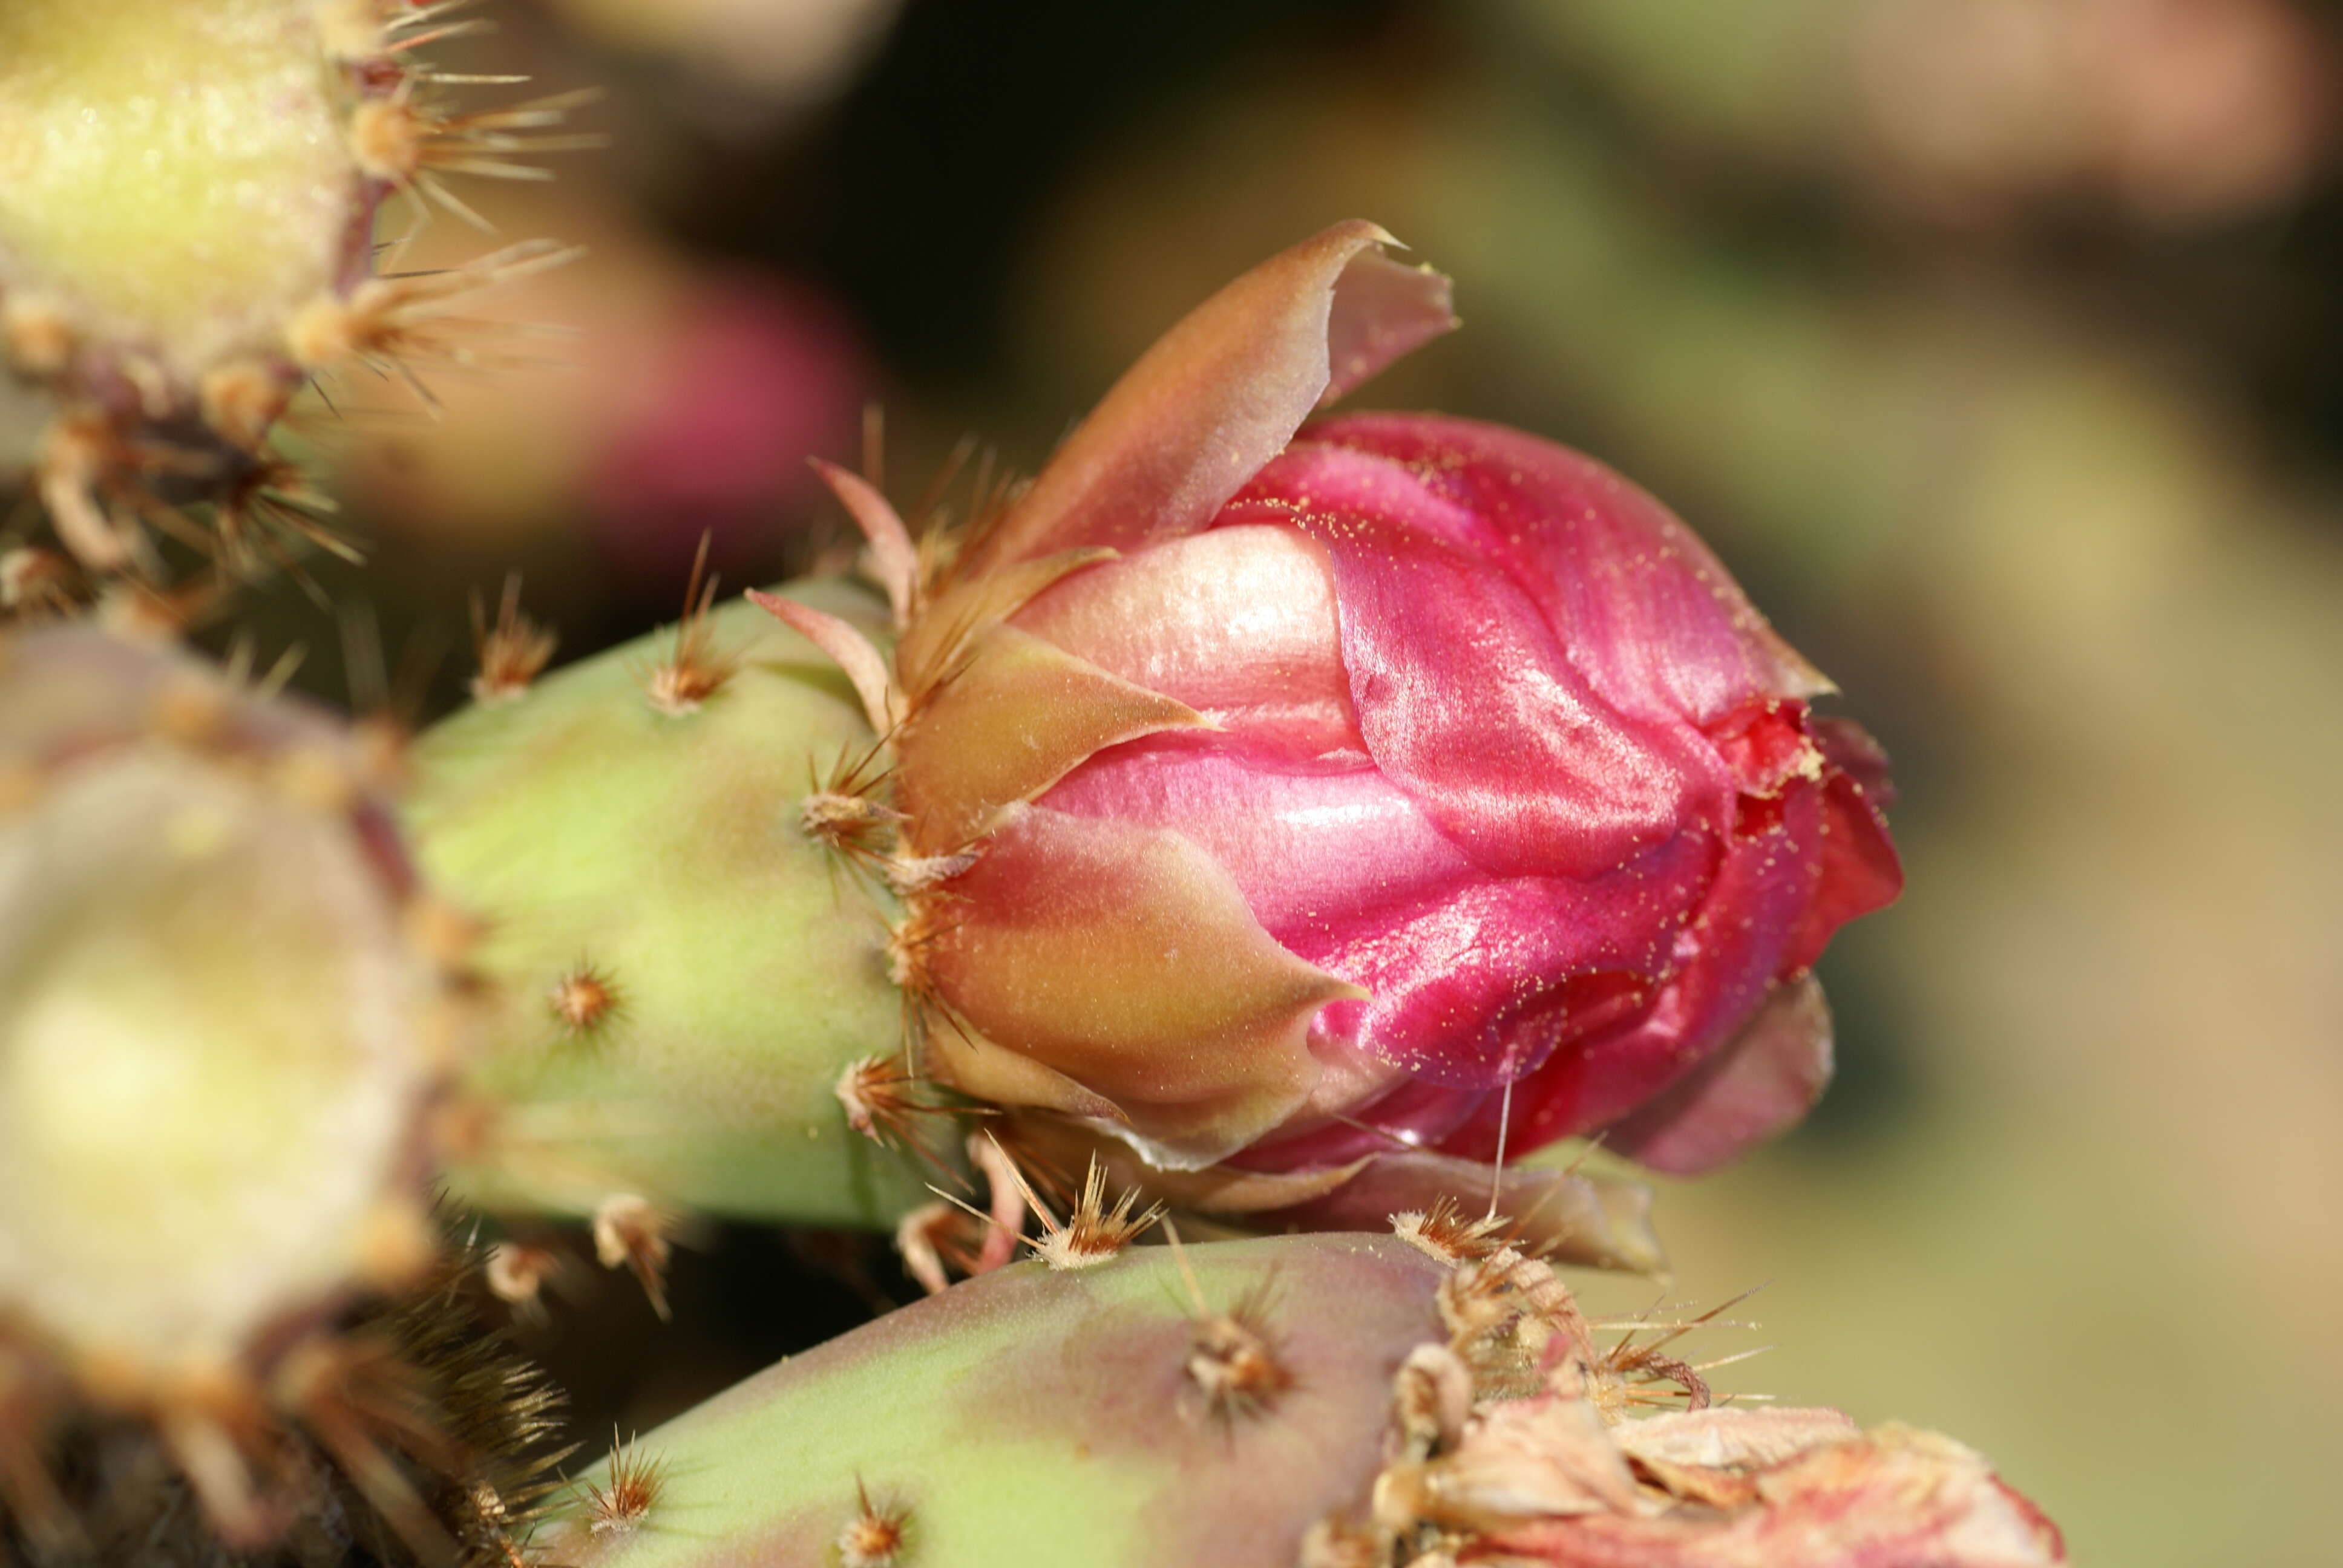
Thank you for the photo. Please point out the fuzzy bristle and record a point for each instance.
(881, 1095)
(698, 668)
(517, 1273)
(623, 1500)
(400, 325)
(938, 1240)
(877, 1534)
(585, 999)
(35, 583)
(1092, 1232)
(630, 1230)
(414, 136)
(512, 652)
(1233, 1361)
(1442, 1232)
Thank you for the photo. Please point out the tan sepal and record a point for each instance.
(852, 651)
(1218, 1189)
(1125, 958)
(974, 1065)
(894, 559)
(1020, 714)
(1223, 392)
(934, 644)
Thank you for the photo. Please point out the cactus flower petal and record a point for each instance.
(1761, 1082)
(1021, 715)
(1220, 394)
(1124, 958)
(1467, 722)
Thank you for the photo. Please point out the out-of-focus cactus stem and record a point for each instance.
(188, 197)
(229, 1020)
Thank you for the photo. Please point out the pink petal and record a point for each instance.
(1849, 748)
(1727, 957)
(1322, 849)
(848, 649)
(1653, 620)
(1860, 870)
(1237, 623)
(1466, 697)
(1474, 981)
(1758, 1084)
(894, 559)
(1220, 393)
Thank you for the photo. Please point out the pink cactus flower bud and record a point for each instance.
(1314, 791)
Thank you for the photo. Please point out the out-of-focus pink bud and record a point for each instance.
(1306, 787)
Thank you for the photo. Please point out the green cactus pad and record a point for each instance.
(1029, 1420)
(658, 855)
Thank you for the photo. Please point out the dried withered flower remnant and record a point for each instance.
(621, 1503)
(877, 1534)
(512, 652)
(1487, 1466)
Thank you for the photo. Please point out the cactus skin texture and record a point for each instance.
(1408, 1412)
(679, 974)
(1041, 1419)
(187, 204)
(228, 1012)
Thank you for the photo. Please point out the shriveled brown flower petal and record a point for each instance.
(1896, 1498)
(1534, 1458)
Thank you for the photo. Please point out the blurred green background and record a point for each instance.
(1998, 345)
